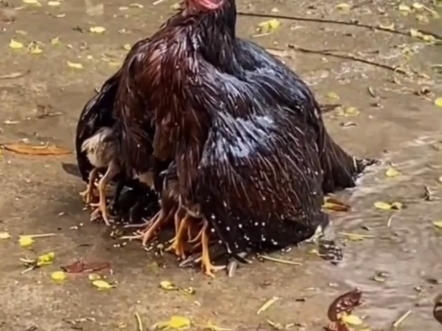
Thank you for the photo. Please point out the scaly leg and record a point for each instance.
(156, 222)
(89, 193)
(178, 240)
(101, 205)
(208, 267)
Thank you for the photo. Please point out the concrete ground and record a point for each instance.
(396, 120)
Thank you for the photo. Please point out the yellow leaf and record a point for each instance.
(392, 172)
(269, 26)
(102, 284)
(15, 44)
(127, 47)
(343, 6)
(75, 65)
(175, 322)
(166, 285)
(58, 276)
(4, 235)
(347, 111)
(351, 320)
(382, 205)
(415, 33)
(387, 26)
(93, 277)
(404, 8)
(55, 41)
(25, 241)
(46, 259)
(332, 95)
(396, 206)
(438, 102)
(54, 3)
(32, 2)
(438, 224)
(97, 29)
(35, 50)
(418, 6)
(439, 179)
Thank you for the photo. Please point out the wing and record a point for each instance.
(259, 182)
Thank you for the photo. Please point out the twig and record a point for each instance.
(346, 57)
(401, 319)
(139, 322)
(329, 21)
(13, 75)
(39, 235)
(274, 259)
(389, 221)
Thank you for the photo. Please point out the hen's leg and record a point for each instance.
(88, 194)
(101, 205)
(208, 267)
(178, 240)
(156, 222)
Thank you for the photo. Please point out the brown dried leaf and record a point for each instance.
(36, 149)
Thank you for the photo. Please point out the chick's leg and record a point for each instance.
(178, 241)
(157, 221)
(88, 194)
(101, 205)
(208, 267)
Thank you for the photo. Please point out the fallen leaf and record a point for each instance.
(46, 259)
(388, 206)
(54, 3)
(404, 8)
(4, 235)
(343, 6)
(58, 276)
(127, 47)
(32, 2)
(36, 149)
(438, 224)
(439, 179)
(392, 172)
(352, 320)
(347, 111)
(93, 277)
(175, 322)
(267, 305)
(55, 41)
(176, 6)
(422, 18)
(438, 102)
(74, 65)
(35, 49)
(15, 44)
(269, 26)
(166, 285)
(387, 26)
(418, 6)
(335, 205)
(332, 95)
(80, 266)
(355, 236)
(97, 29)
(102, 284)
(25, 241)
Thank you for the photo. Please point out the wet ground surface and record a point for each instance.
(396, 121)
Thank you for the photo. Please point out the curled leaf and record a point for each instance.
(4, 235)
(74, 65)
(25, 241)
(166, 285)
(438, 224)
(102, 284)
(58, 276)
(269, 26)
(36, 149)
(15, 44)
(388, 206)
(392, 172)
(97, 29)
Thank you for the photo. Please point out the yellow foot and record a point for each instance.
(88, 195)
(100, 212)
(178, 248)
